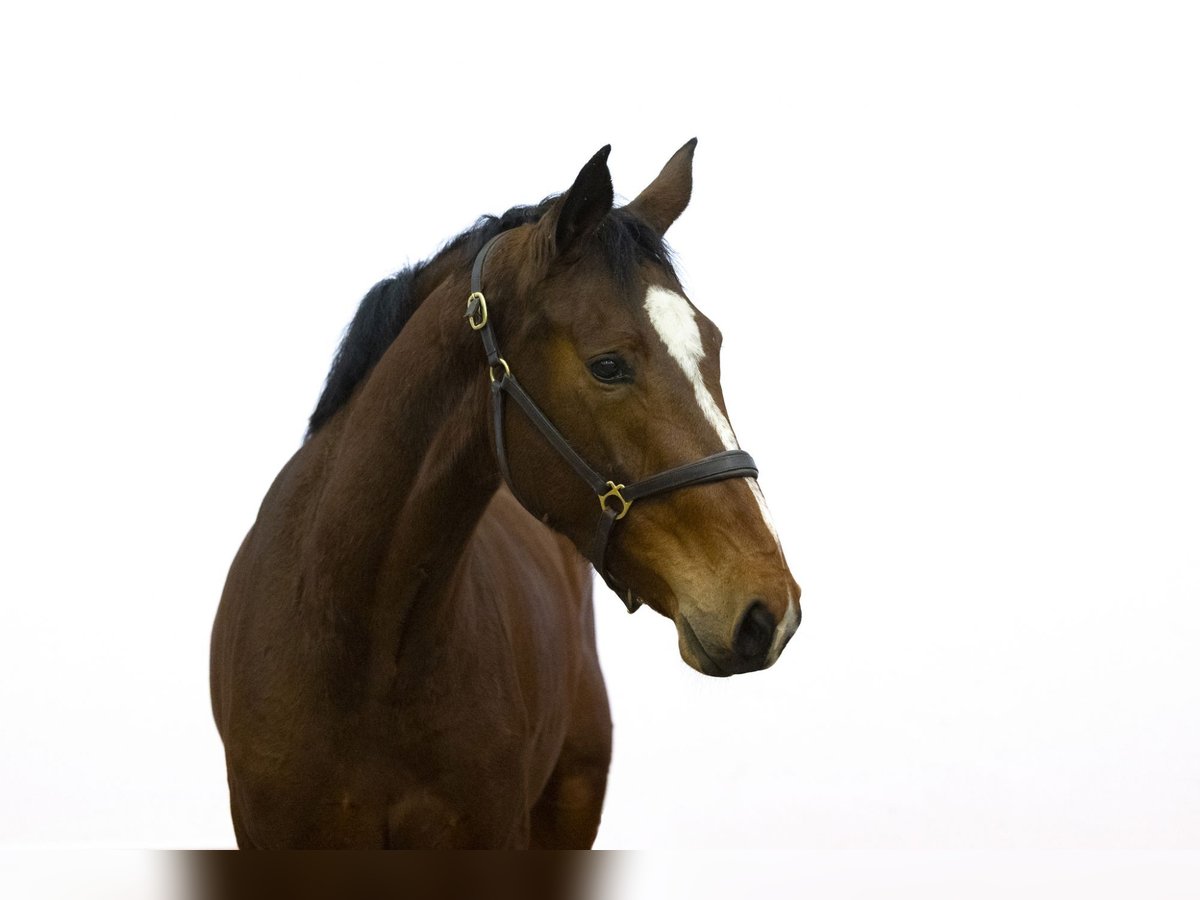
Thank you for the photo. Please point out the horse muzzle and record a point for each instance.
(756, 641)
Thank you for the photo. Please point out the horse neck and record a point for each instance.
(408, 477)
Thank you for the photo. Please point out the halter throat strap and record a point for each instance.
(615, 499)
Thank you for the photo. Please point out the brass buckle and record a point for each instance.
(499, 362)
(476, 304)
(615, 491)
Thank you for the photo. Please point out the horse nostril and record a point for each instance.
(754, 633)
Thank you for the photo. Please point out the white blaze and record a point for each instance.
(786, 627)
(675, 321)
(762, 506)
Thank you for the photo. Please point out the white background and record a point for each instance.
(953, 250)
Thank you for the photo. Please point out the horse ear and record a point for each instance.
(667, 195)
(585, 205)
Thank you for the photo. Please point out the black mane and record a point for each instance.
(627, 241)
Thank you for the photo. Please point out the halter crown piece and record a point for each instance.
(615, 499)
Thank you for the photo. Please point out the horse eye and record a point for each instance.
(609, 369)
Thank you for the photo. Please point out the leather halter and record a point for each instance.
(615, 499)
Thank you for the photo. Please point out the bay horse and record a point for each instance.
(404, 654)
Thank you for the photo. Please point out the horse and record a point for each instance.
(404, 654)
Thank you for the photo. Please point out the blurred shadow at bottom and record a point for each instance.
(233, 875)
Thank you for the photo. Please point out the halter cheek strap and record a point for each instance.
(615, 499)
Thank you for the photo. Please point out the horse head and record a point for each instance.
(589, 313)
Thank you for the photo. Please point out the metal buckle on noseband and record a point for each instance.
(716, 467)
(615, 491)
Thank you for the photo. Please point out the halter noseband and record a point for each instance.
(615, 499)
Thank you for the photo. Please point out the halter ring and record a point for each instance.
(498, 362)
